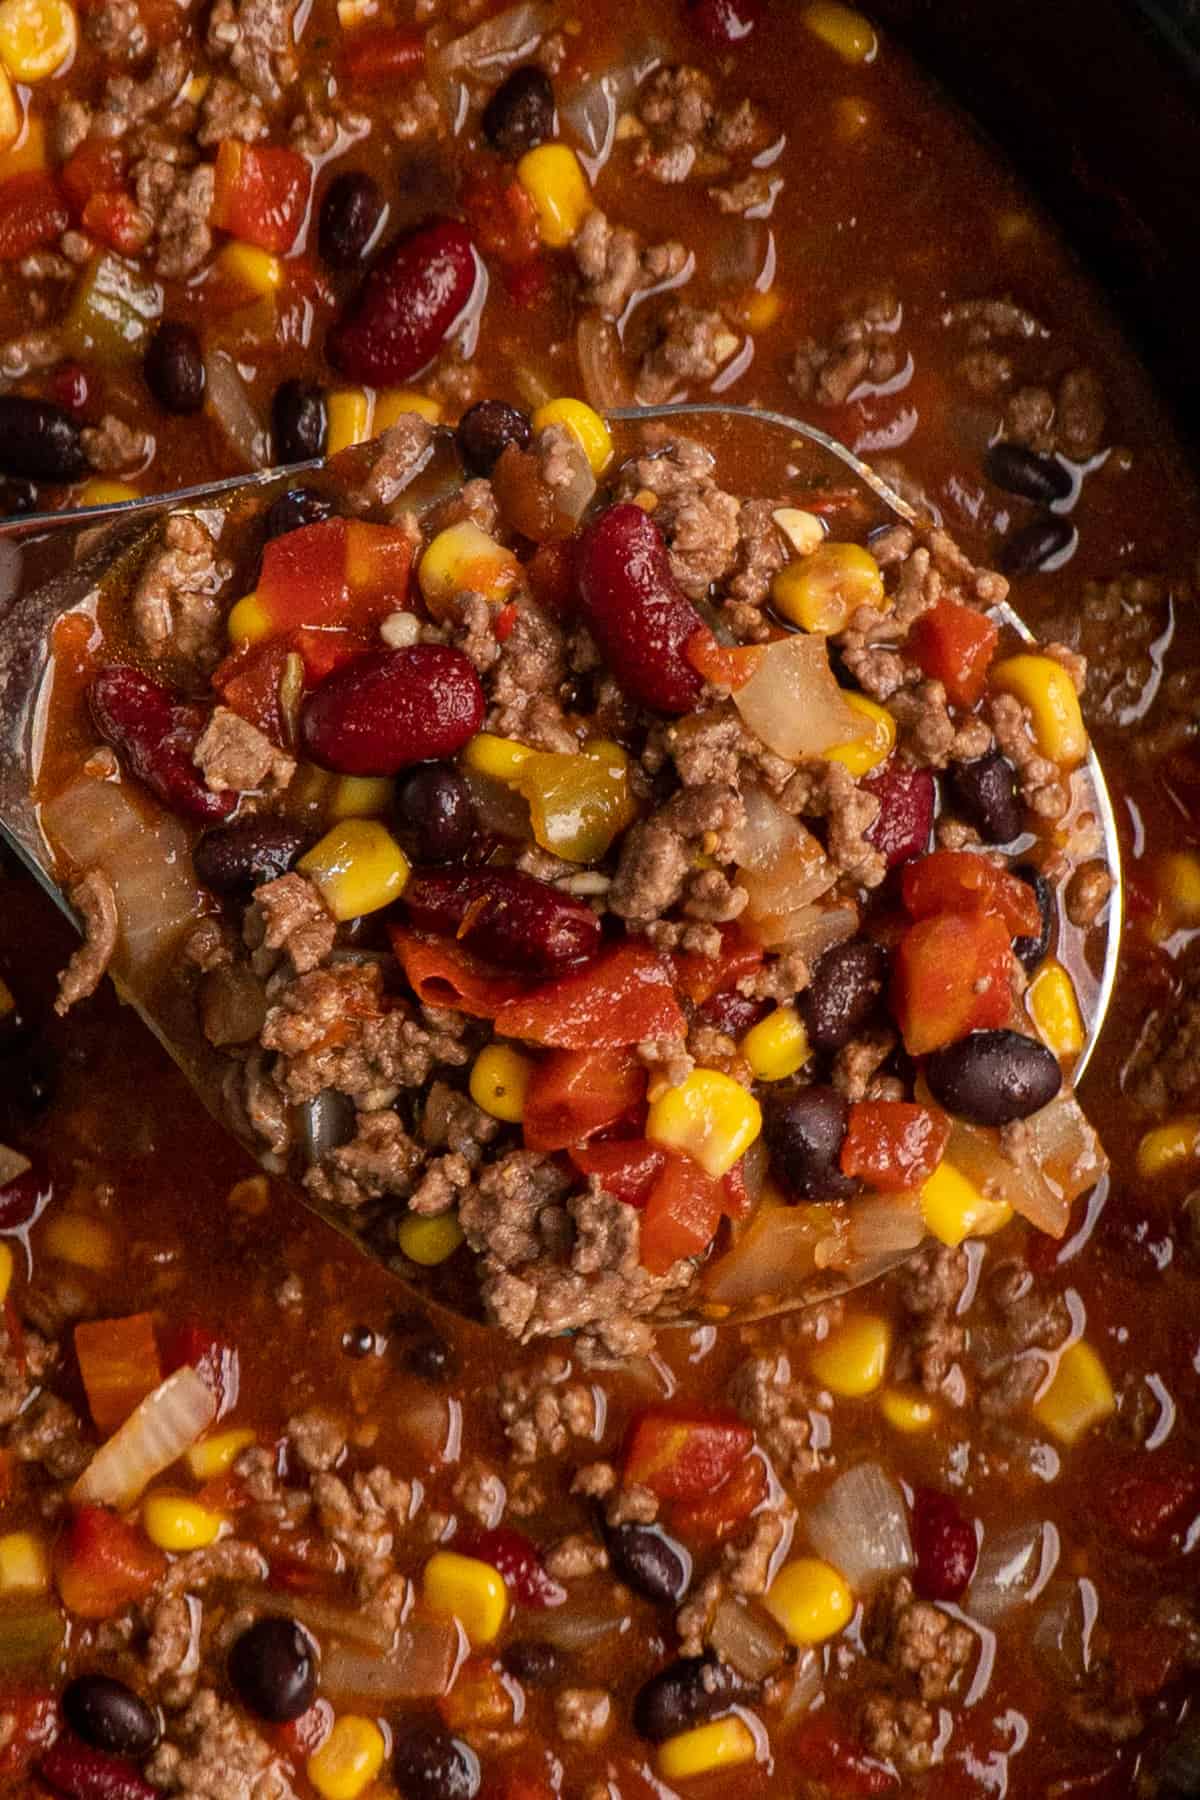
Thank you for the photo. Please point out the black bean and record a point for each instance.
(844, 991)
(298, 506)
(1032, 951)
(804, 1132)
(435, 819)
(17, 498)
(1019, 470)
(486, 430)
(994, 1077)
(110, 1716)
(273, 1667)
(39, 441)
(299, 422)
(358, 1341)
(687, 1692)
(520, 114)
(174, 367)
(232, 859)
(1036, 544)
(535, 1662)
(985, 793)
(351, 218)
(430, 1356)
(648, 1560)
(429, 1764)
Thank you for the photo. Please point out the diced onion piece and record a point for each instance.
(421, 1665)
(747, 1638)
(229, 402)
(809, 930)
(156, 1434)
(1014, 1565)
(1060, 1633)
(860, 1525)
(885, 1225)
(807, 1680)
(570, 1630)
(1065, 1147)
(488, 51)
(324, 1618)
(976, 1152)
(775, 1257)
(602, 372)
(794, 704)
(780, 864)
(592, 109)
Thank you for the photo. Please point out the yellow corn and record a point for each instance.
(393, 403)
(174, 1522)
(499, 757)
(105, 493)
(810, 1600)
(24, 1565)
(843, 29)
(216, 1455)
(6, 1270)
(429, 1241)
(853, 1359)
(359, 797)
(1055, 1009)
(29, 150)
(251, 268)
(11, 116)
(354, 13)
(349, 1759)
(554, 180)
(709, 1116)
(499, 1078)
(464, 559)
(1079, 1396)
(760, 309)
(75, 1238)
(777, 1046)
(953, 1208)
(1166, 1148)
(803, 530)
(37, 37)
(906, 1410)
(1176, 880)
(249, 621)
(722, 1745)
(195, 88)
(823, 591)
(470, 1590)
(1044, 686)
(865, 754)
(348, 412)
(358, 867)
(585, 425)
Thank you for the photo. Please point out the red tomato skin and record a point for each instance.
(954, 644)
(684, 1454)
(683, 1212)
(960, 881)
(573, 1094)
(32, 213)
(622, 998)
(627, 1168)
(950, 977)
(893, 1144)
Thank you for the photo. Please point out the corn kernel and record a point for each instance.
(216, 1455)
(810, 1600)
(392, 404)
(499, 1078)
(1044, 686)
(804, 531)
(105, 493)
(249, 622)
(822, 592)
(853, 1359)
(709, 1116)
(499, 757)
(6, 1270)
(24, 1565)
(585, 425)
(865, 754)
(1080, 1395)
(11, 116)
(777, 1046)
(174, 1522)
(195, 88)
(348, 416)
(843, 29)
(907, 1410)
(75, 1238)
(359, 797)
(28, 152)
(554, 180)
(349, 1759)
(37, 37)
(722, 1745)
(760, 309)
(1167, 1148)
(1055, 1009)
(470, 1590)
(358, 867)
(953, 1208)
(465, 559)
(251, 268)
(354, 13)
(1176, 878)
(429, 1241)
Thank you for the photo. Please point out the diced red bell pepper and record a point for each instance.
(101, 1564)
(893, 1144)
(337, 572)
(33, 212)
(682, 1215)
(627, 1168)
(951, 976)
(685, 1454)
(116, 219)
(325, 648)
(960, 881)
(249, 685)
(503, 216)
(622, 998)
(33, 1712)
(118, 1360)
(441, 973)
(190, 1344)
(479, 1701)
(517, 1558)
(708, 1520)
(261, 193)
(724, 665)
(97, 167)
(381, 56)
(954, 644)
(573, 1094)
(1150, 1508)
(700, 977)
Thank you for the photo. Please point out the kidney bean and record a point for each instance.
(520, 114)
(688, 1692)
(994, 1077)
(804, 1132)
(174, 367)
(299, 422)
(82, 1773)
(985, 793)
(350, 218)
(156, 735)
(517, 1559)
(732, 1013)
(649, 1561)
(407, 305)
(723, 23)
(434, 815)
(388, 709)
(636, 611)
(273, 1669)
(232, 859)
(1031, 951)
(945, 1546)
(23, 1198)
(298, 506)
(429, 1764)
(509, 918)
(844, 990)
(1036, 544)
(1019, 470)
(535, 1663)
(905, 811)
(39, 441)
(110, 1716)
(486, 430)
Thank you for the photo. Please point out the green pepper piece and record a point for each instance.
(113, 311)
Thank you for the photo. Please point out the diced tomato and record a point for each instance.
(622, 998)
(708, 1520)
(380, 56)
(573, 1094)
(192, 1344)
(960, 881)
(830, 1759)
(951, 976)
(303, 579)
(735, 1202)
(101, 1564)
(118, 1360)
(300, 1737)
(97, 167)
(33, 212)
(441, 973)
(503, 216)
(954, 644)
(517, 1558)
(261, 193)
(683, 1213)
(550, 572)
(1150, 1509)
(505, 622)
(893, 1144)
(724, 665)
(33, 1712)
(522, 1783)
(249, 685)
(700, 977)
(627, 1168)
(378, 562)
(118, 221)
(685, 1454)
(326, 648)
(479, 1699)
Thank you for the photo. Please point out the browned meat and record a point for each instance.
(114, 448)
(865, 348)
(290, 915)
(256, 36)
(701, 523)
(615, 264)
(232, 753)
(175, 604)
(93, 898)
(692, 347)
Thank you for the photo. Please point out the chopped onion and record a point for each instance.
(324, 1618)
(168, 1422)
(1065, 1148)
(1014, 1565)
(807, 1681)
(567, 1629)
(976, 1151)
(229, 402)
(499, 809)
(747, 1639)
(601, 362)
(420, 1666)
(860, 1525)
(780, 863)
(573, 499)
(488, 51)
(809, 930)
(1062, 1631)
(773, 1259)
(794, 704)
(592, 109)
(885, 1225)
